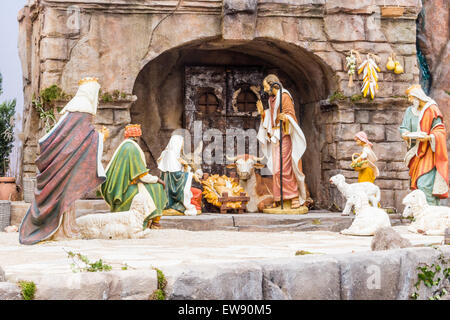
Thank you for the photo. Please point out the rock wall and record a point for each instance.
(61, 42)
(381, 275)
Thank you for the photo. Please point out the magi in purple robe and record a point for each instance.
(68, 169)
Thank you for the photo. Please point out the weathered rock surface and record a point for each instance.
(383, 275)
(113, 285)
(433, 39)
(10, 291)
(387, 239)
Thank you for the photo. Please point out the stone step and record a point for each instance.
(315, 220)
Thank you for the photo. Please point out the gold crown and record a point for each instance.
(86, 80)
(414, 86)
(130, 126)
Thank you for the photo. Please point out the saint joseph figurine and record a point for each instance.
(427, 157)
(293, 144)
(69, 166)
(127, 175)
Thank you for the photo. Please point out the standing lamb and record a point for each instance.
(371, 190)
(368, 219)
(430, 220)
(116, 225)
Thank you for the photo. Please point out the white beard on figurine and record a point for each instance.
(368, 219)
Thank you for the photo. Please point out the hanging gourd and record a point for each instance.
(390, 65)
(370, 75)
(398, 68)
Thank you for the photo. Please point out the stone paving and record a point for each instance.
(178, 248)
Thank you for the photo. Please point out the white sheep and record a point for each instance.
(117, 225)
(368, 219)
(371, 190)
(430, 220)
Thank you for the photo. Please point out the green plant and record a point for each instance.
(337, 95)
(28, 289)
(7, 110)
(80, 263)
(45, 104)
(356, 97)
(159, 294)
(106, 97)
(431, 276)
(51, 94)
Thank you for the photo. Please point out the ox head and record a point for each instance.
(337, 179)
(412, 201)
(245, 165)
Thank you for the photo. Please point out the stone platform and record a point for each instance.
(314, 220)
(211, 265)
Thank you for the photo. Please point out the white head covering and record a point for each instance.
(168, 161)
(86, 99)
(416, 91)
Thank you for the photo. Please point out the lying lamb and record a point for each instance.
(371, 190)
(116, 225)
(430, 220)
(368, 219)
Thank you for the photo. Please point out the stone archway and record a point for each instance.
(160, 90)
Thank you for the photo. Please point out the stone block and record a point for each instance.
(343, 27)
(374, 132)
(54, 48)
(76, 286)
(390, 151)
(333, 59)
(2, 275)
(387, 117)
(399, 88)
(132, 285)
(387, 197)
(50, 78)
(345, 149)
(311, 30)
(411, 259)
(346, 116)
(346, 131)
(238, 281)
(122, 117)
(392, 133)
(399, 31)
(104, 116)
(389, 184)
(369, 275)
(406, 49)
(10, 291)
(362, 116)
(291, 278)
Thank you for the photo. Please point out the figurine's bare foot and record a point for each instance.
(295, 203)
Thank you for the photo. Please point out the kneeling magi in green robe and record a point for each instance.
(125, 171)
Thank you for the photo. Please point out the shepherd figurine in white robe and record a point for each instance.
(293, 145)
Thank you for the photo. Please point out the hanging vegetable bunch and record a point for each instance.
(370, 75)
(351, 66)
